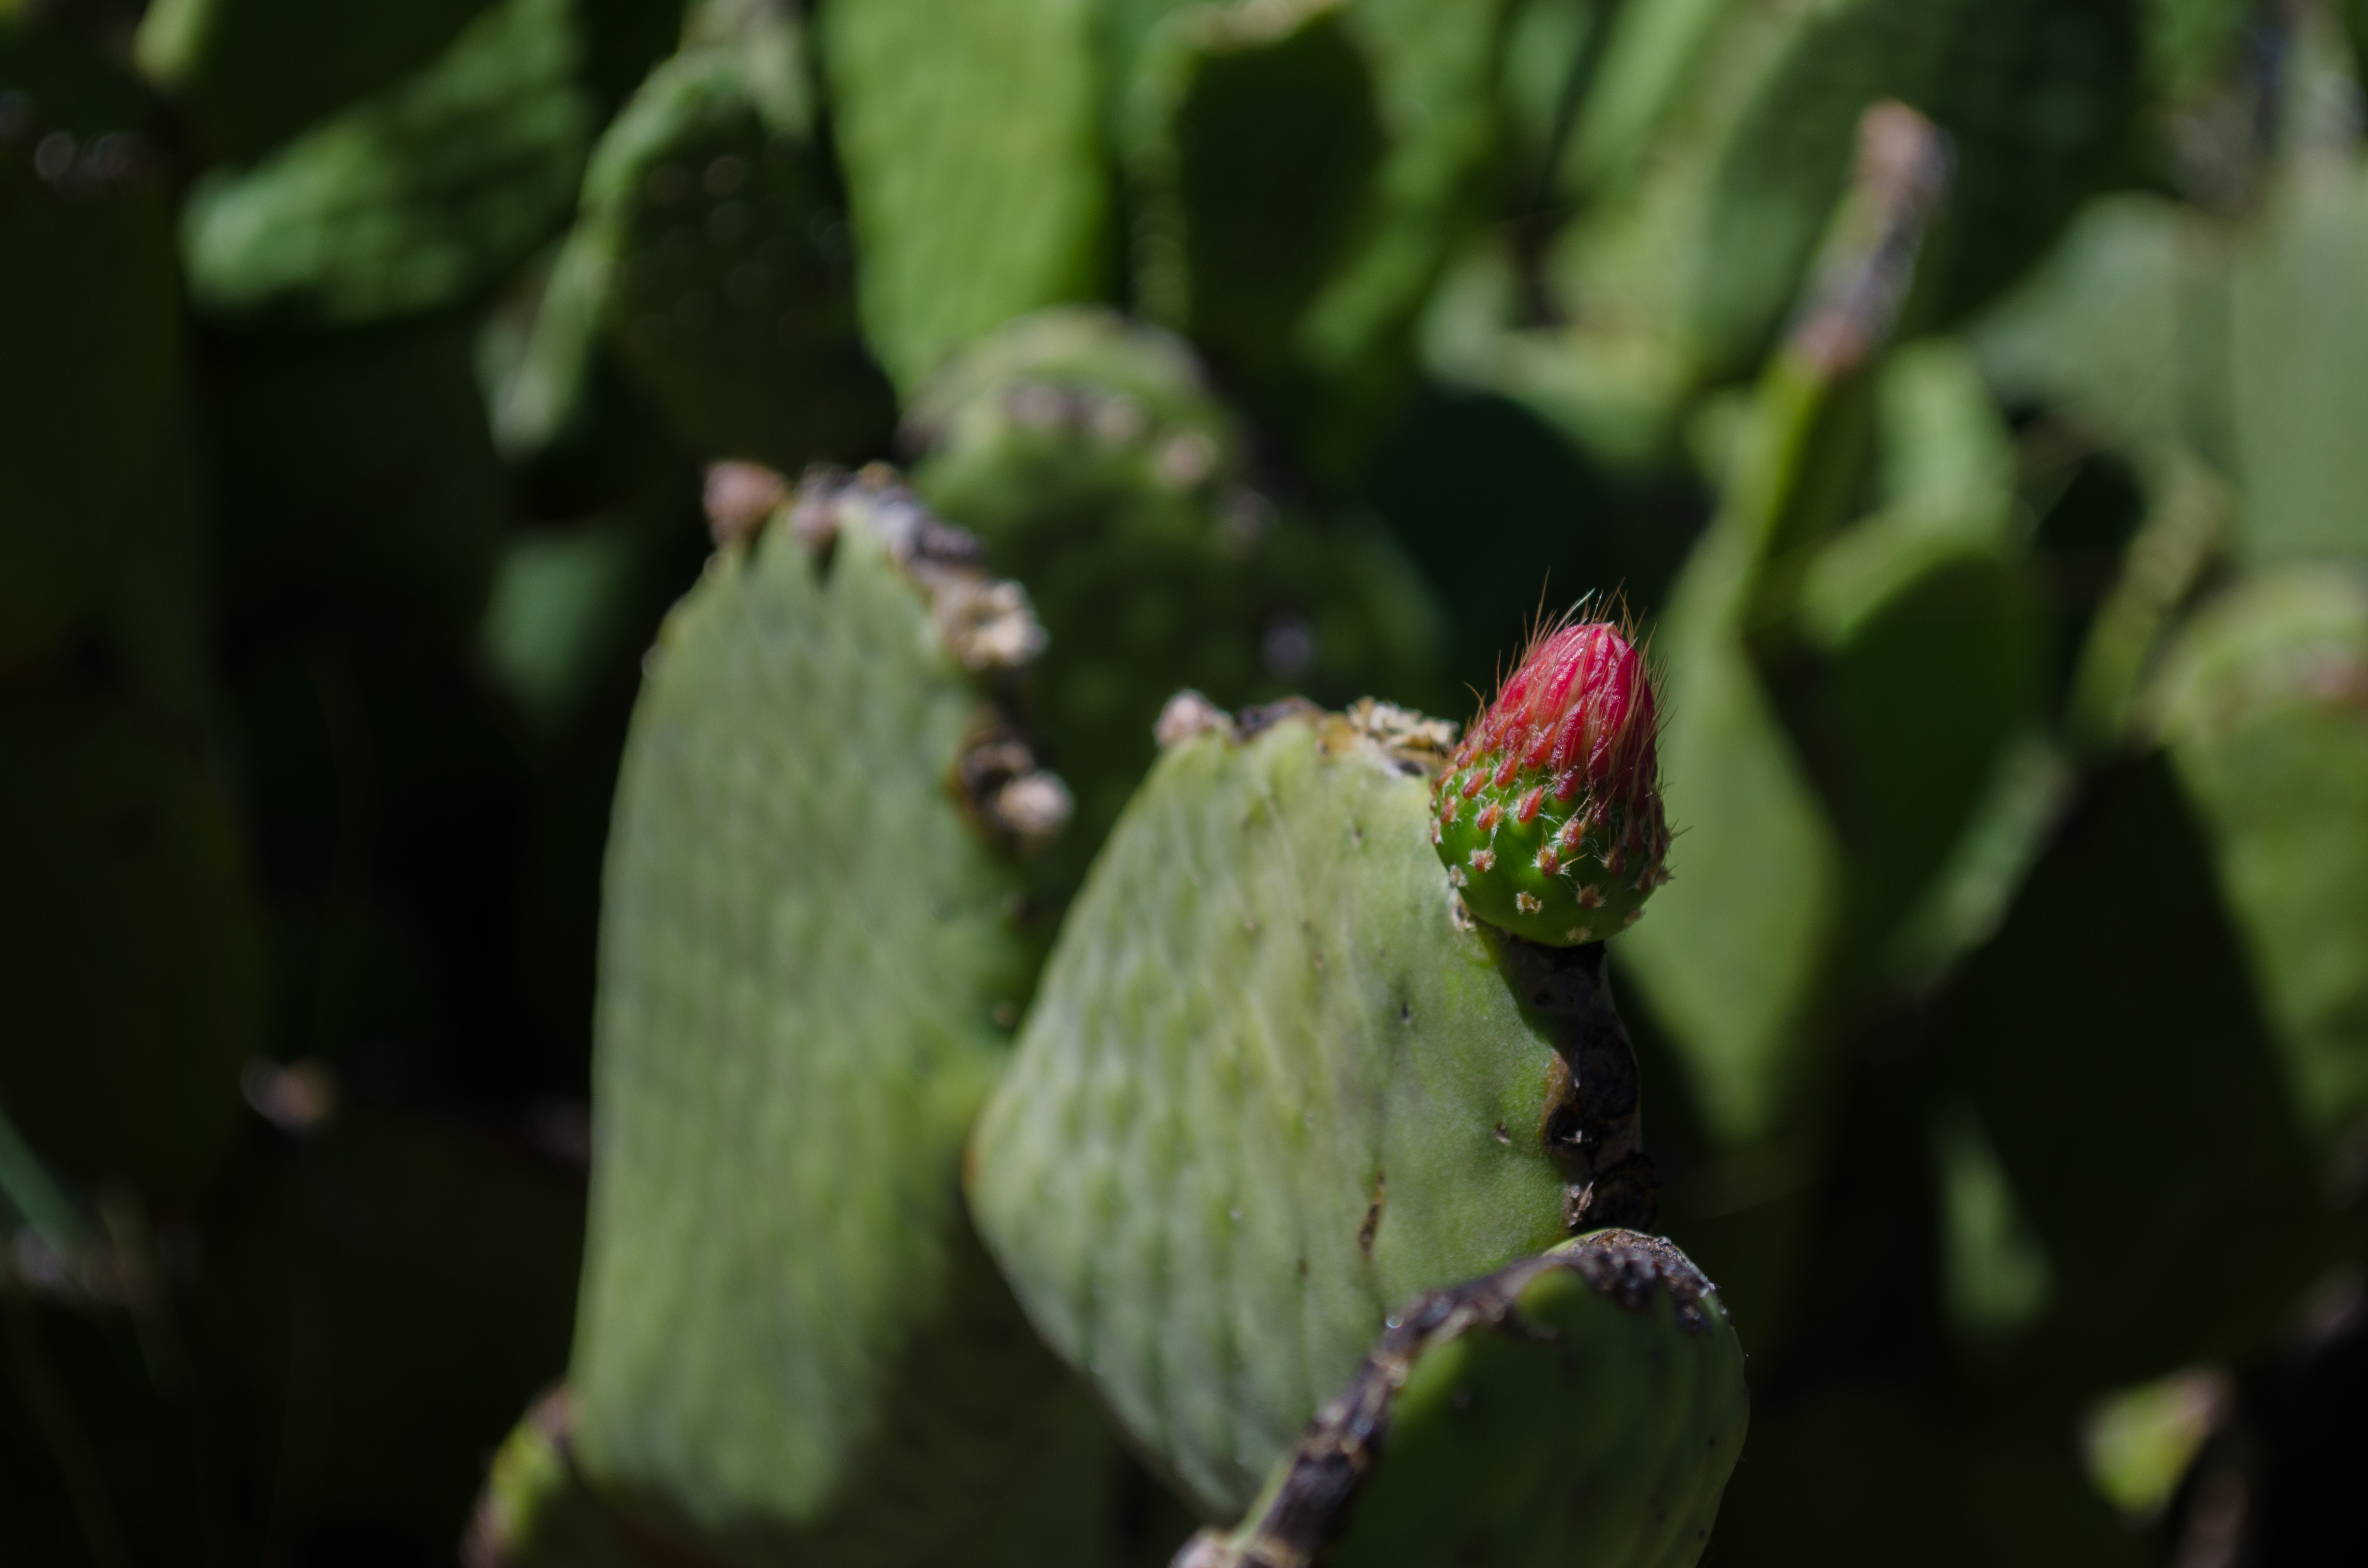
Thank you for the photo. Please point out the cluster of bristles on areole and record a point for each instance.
(1560, 771)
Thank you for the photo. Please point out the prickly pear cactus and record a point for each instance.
(1455, 1441)
(422, 195)
(1093, 456)
(1276, 1081)
(1253, 138)
(1550, 812)
(2259, 701)
(976, 186)
(809, 966)
(1299, 171)
(715, 262)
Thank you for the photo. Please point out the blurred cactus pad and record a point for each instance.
(1183, 783)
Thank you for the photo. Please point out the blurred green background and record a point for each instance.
(2005, 1031)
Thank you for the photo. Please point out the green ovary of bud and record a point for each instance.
(1549, 815)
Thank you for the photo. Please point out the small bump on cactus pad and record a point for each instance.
(1549, 816)
(1583, 1406)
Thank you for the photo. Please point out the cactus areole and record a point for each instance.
(1549, 815)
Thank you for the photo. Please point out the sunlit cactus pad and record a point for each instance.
(1272, 1085)
(1583, 1408)
(790, 1344)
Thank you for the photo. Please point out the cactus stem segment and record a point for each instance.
(1593, 1122)
(1318, 1492)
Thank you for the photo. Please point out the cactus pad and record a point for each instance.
(1274, 1082)
(1549, 817)
(1093, 457)
(721, 265)
(1583, 1407)
(422, 195)
(976, 183)
(808, 963)
(2260, 703)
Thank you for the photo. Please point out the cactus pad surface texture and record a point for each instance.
(789, 1345)
(1273, 1083)
(1456, 1442)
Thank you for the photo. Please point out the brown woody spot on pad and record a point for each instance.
(1591, 1123)
(1365, 1232)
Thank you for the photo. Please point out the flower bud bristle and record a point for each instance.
(1551, 807)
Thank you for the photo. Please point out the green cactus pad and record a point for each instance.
(809, 964)
(2259, 701)
(1095, 459)
(1583, 1407)
(2113, 1048)
(1273, 1083)
(976, 186)
(422, 195)
(1061, 1510)
(1300, 171)
(1721, 133)
(722, 267)
(1253, 143)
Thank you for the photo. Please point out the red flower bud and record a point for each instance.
(1550, 812)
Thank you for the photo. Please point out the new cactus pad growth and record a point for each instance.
(1549, 815)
